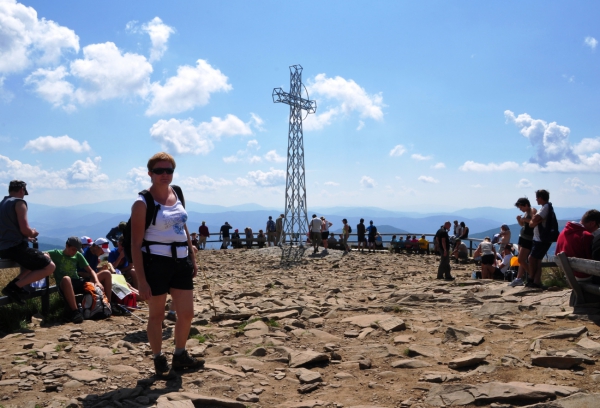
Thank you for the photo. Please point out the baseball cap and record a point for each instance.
(17, 184)
(86, 240)
(102, 243)
(74, 242)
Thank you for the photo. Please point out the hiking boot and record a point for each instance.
(516, 282)
(14, 292)
(162, 368)
(76, 316)
(171, 316)
(184, 360)
(450, 278)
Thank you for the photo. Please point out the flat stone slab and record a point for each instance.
(439, 377)
(426, 351)
(564, 334)
(256, 329)
(392, 324)
(122, 369)
(304, 404)
(197, 400)
(403, 339)
(473, 339)
(85, 375)
(578, 400)
(556, 362)
(589, 344)
(365, 320)
(9, 382)
(410, 363)
(317, 334)
(300, 358)
(441, 395)
(308, 376)
(225, 369)
(468, 361)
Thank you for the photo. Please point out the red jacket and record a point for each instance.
(203, 230)
(575, 242)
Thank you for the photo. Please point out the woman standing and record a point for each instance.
(345, 235)
(525, 239)
(165, 263)
(488, 258)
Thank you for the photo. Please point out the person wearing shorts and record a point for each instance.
(325, 232)
(488, 258)
(314, 226)
(525, 242)
(15, 234)
(345, 235)
(538, 248)
(372, 234)
(360, 234)
(165, 263)
(203, 233)
(271, 231)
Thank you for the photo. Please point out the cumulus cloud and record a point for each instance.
(480, 167)
(53, 144)
(581, 186)
(438, 166)
(367, 182)
(159, 36)
(586, 146)
(50, 85)
(183, 136)
(420, 157)
(271, 178)
(138, 178)
(331, 183)
(590, 42)
(398, 150)
(5, 95)
(27, 40)
(524, 183)
(428, 179)
(257, 122)
(203, 183)
(272, 156)
(346, 98)
(81, 174)
(191, 87)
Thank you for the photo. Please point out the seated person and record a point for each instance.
(408, 243)
(236, 241)
(69, 283)
(261, 239)
(119, 261)
(129, 300)
(415, 243)
(194, 238)
(465, 231)
(423, 245)
(502, 268)
(86, 242)
(378, 241)
(91, 254)
(504, 237)
(460, 251)
(331, 241)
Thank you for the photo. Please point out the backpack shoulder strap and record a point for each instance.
(179, 193)
(150, 207)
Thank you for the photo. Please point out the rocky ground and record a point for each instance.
(361, 330)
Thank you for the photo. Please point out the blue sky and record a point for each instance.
(420, 105)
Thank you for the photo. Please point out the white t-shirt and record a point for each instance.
(506, 262)
(315, 225)
(486, 248)
(169, 227)
(544, 214)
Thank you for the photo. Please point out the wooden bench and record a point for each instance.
(580, 289)
(44, 293)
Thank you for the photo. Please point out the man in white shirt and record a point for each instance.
(314, 226)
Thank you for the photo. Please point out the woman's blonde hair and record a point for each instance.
(160, 157)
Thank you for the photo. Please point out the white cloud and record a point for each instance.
(550, 140)
(53, 144)
(191, 87)
(159, 36)
(50, 85)
(81, 174)
(272, 156)
(257, 122)
(242, 182)
(581, 186)
(398, 150)
(367, 182)
(27, 40)
(591, 42)
(524, 183)
(138, 178)
(270, 178)
(254, 159)
(438, 166)
(420, 157)
(361, 124)
(569, 78)
(586, 146)
(427, 179)
(331, 183)
(480, 167)
(107, 73)
(203, 183)
(5, 95)
(347, 97)
(182, 136)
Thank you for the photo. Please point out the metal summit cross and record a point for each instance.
(295, 224)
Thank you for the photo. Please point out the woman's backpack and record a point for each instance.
(94, 303)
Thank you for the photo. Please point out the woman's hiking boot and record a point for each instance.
(184, 360)
(162, 368)
(76, 316)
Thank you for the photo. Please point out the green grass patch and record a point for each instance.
(15, 317)
(406, 352)
(241, 327)
(272, 323)
(553, 276)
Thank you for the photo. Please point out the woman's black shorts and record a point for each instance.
(487, 259)
(525, 243)
(163, 273)
(324, 234)
(29, 258)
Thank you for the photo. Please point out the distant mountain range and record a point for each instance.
(95, 220)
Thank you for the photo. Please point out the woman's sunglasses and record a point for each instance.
(162, 170)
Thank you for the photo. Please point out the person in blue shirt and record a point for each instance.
(119, 261)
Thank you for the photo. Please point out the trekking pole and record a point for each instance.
(199, 265)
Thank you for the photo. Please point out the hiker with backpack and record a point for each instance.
(346, 230)
(271, 232)
(545, 232)
(164, 259)
(372, 234)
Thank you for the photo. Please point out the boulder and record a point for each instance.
(300, 358)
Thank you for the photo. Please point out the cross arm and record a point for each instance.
(280, 96)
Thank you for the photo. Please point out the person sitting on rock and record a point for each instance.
(332, 241)
(261, 239)
(68, 281)
(423, 245)
(119, 261)
(236, 240)
(507, 255)
(461, 252)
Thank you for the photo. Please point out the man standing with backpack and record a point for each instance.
(360, 232)
(545, 232)
(271, 231)
(372, 230)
